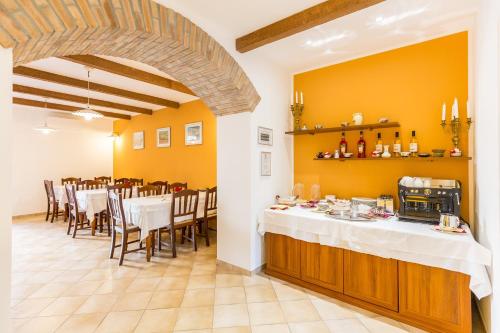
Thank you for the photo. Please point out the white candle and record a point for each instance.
(468, 110)
(296, 97)
(301, 98)
(443, 112)
(455, 104)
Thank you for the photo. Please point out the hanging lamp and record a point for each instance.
(87, 113)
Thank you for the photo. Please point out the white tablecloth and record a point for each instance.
(151, 213)
(92, 201)
(60, 194)
(412, 242)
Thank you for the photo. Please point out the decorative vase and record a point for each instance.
(386, 153)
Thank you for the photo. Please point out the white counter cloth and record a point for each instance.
(406, 241)
(151, 213)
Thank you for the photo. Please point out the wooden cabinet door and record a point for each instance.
(435, 296)
(322, 265)
(371, 279)
(283, 254)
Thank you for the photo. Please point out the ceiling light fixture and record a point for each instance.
(321, 42)
(45, 129)
(87, 113)
(383, 21)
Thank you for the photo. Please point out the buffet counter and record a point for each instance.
(399, 269)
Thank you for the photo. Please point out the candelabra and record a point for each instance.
(297, 109)
(455, 126)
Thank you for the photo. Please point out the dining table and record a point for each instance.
(152, 213)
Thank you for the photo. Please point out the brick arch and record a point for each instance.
(140, 30)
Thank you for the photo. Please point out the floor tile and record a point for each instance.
(201, 282)
(260, 293)
(98, 303)
(346, 326)
(382, 324)
(311, 327)
(42, 324)
(82, 323)
(228, 280)
(265, 313)
(30, 307)
(231, 315)
(239, 329)
(83, 288)
(299, 311)
(166, 299)
(50, 290)
(288, 293)
(173, 283)
(132, 301)
(159, 320)
(194, 318)
(276, 328)
(120, 322)
(198, 298)
(333, 309)
(141, 285)
(63, 306)
(232, 295)
(113, 286)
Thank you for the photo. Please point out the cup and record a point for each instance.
(449, 221)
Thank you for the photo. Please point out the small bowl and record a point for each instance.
(347, 155)
(424, 155)
(405, 154)
(383, 120)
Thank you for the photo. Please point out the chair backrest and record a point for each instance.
(122, 181)
(92, 184)
(136, 181)
(163, 185)
(103, 179)
(115, 205)
(177, 187)
(70, 180)
(72, 201)
(49, 190)
(124, 190)
(184, 205)
(210, 201)
(148, 190)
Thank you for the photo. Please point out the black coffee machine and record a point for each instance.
(426, 204)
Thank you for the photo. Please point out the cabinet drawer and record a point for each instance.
(371, 279)
(283, 254)
(322, 265)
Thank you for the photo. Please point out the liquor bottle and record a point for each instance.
(413, 145)
(396, 147)
(361, 146)
(379, 146)
(343, 145)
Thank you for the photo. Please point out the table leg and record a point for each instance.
(148, 248)
(93, 226)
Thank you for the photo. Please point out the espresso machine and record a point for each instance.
(425, 201)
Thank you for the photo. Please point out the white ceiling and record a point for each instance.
(400, 22)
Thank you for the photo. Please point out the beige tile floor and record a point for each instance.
(62, 284)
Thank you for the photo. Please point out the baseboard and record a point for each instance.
(25, 216)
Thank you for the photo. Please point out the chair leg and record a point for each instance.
(152, 235)
(108, 224)
(101, 226)
(123, 247)
(159, 240)
(69, 226)
(172, 242)
(207, 238)
(183, 235)
(76, 219)
(113, 243)
(48, 211)
(53, 213)
(195, 246)
(66, 212)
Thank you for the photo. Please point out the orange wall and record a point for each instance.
(194, 164)
(407, 85)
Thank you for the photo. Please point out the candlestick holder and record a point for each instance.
(455, 126)
(297, 109)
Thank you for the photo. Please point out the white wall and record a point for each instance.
(241, 203)
(76, 149)
(6, 184)
(487, 139)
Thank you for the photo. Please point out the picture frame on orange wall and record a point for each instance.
(138, 140)
(163, 137)
(194, 134)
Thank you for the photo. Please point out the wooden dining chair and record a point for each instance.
(104, 179)
(125, 190)
(77, 219)
(209, 213)
(148, 191)
(136, 181)
(177, 187)
(163, 185)
(70, 180)
(182, 215)
(121, 181)
(90, 185)
(120, 225)
(52, 203)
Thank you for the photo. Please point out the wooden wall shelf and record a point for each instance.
(413, 159)
(369, 127)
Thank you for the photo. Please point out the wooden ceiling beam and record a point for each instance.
(304, 20)
(68, 81)
(64, 108)
(127, 71)
(77, 99)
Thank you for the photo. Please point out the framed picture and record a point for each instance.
(163, 137)
(194, 134)
(138, 140)
(265, 136)
(265, 163)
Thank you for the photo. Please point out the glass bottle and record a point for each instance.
(343, 145)
(413, 145)
(396, 147)
(379, 146)
(361, 146)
